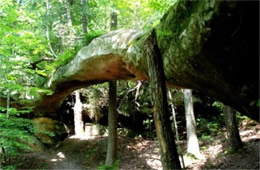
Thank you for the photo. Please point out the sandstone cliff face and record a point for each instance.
(210, 46)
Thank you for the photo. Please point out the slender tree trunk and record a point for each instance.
(78, 122)
(193, 143)
(176, 128)
(2, 150)
(112, 125)
(169, 154)
(72, 31)
(69, 18)
(2, 157)
(113, 21)
(84, 17)
(8, 104)
(232, 128)
(138, 86)
(47, 29)
(173, 116)
(112, 113)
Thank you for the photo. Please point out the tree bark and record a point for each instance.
(68, 12)
(84, 16)
(193, 143)
(113, 21)
(176, 127)
(78, 122)
(112, 125)
(112, 113)
(173, 116)
(232, 128)
(2, 156)
(169, 155)
(47, 30)
(8, 104)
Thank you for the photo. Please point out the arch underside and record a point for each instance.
(195, 59)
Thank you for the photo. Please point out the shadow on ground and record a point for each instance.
(80, 153)
(90, 153)
(246, 158)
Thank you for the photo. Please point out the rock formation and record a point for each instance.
(211, 46)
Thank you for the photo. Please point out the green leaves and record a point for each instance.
(92, 35)
(19, 45)
(13, 130)
(114, 166)
(41, 72)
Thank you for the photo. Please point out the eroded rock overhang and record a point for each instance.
(197, 53)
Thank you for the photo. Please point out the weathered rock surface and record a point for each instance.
(45, 126)
(211, 46)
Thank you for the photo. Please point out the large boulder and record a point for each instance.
(210, 45)
(49, 131)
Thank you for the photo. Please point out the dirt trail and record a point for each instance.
(80, 153)
(47, 160)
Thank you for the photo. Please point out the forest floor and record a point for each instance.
(89, 153)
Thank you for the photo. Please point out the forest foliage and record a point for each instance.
(37, 37)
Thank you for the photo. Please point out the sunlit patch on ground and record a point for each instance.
(250, 134)
(139, 154)
(60, 157)
(87, 136)
(88, 152)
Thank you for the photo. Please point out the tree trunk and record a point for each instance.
(232, 128)
(2, 149)
(78, 122)
(47, 29)
(169, 155)
(193, 143)
(8, 104)
(113, 21)
(112, 125)
(69, 18)
(176, 127)
(112, 113)
(2, 157)
(84, 16)
(173, 116)
(70, 39)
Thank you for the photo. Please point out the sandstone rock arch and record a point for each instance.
(211, 46)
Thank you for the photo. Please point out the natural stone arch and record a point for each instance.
(193, 44)
(102, 60)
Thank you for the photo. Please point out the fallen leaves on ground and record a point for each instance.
(137, 153)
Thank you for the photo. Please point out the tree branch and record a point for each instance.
(34, 64)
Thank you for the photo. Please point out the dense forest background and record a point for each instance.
(37, 37)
